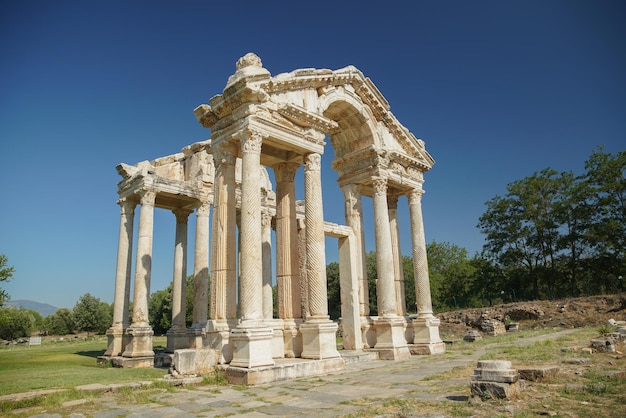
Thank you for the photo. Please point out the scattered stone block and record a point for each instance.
(537, 373)
(581, 360)
(603, 345)
(495, 379)
(472, 335)
(493, 327)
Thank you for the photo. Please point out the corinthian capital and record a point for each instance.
(147, 197)
(380, 185)
(251, 141)
(313, 162)
(286, 171)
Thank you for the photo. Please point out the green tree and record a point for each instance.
(606, 177)
(334, 290)
(92, 315)
(17, 322)
(60, 323)
(451, 275)
(160, 307)
(6, 273)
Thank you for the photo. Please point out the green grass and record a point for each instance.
(63, 365)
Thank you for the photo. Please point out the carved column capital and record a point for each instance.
(380, 185)
(266, 218)
(182, 215)
(127, 206)
(392, 202)
(313, 162)
(416, 195)
(147, 197)
(203, 209)
(251, 141)
(286, 172)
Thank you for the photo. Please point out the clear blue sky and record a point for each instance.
(496, 89)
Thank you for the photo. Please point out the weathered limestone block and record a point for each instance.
(190, 361)
(472, 335)
(493, 327)
(538, 373)
(495, 379)
(603, 345)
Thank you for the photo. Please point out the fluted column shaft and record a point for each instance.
(398, 269)
(143, 263)
(315, 239)
(354, 219)
(201, 267)
(251, 265)
(420, 260)
(179, 286)
(224, 242)
(266, 233)
(124, 263)
(287, 266)
(384, 254)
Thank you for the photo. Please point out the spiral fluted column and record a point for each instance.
(420, 259)
(201, 268)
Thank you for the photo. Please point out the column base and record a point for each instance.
(140, 342)
(319, 339)
(218, 338)
(278, 341)
(197, 335)
(177, 338)
(252, 345)
(426, 336)
(390, 340)
(116, 341)
(367, 332)
(292, 338)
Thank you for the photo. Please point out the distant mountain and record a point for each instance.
(44, 309)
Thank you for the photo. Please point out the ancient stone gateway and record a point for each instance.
(278, 123)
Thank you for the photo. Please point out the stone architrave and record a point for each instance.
(139, 347)
(318, 332)
(115, 333)
(251, 339)
(426, 326)
(390, 339)
(177, 335)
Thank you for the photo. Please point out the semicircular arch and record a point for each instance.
(356, 123)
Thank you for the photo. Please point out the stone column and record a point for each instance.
(390, 340)
(287, 257)
(426, 326)
(398, 269)
(115, 334)
(266, 254)
(139, 347)
(200, 276)
(177, 334)
(354, 219)
(223, 294)
(287, 276)
(318, 332)
(251, 339)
